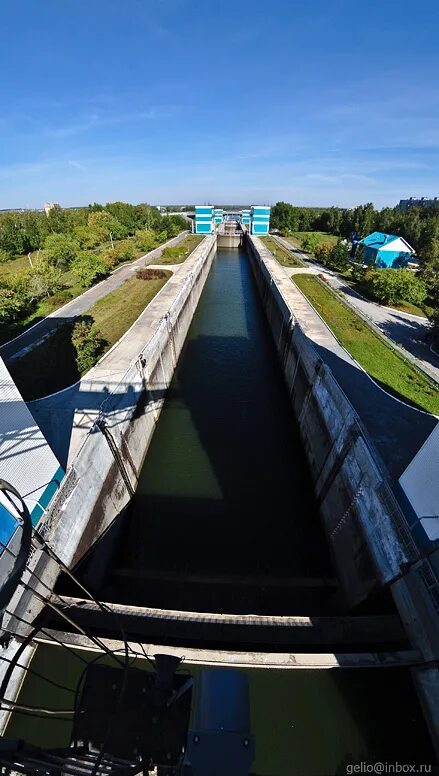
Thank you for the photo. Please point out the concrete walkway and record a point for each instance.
(408, 331)
(66, 417)
(83, 303)
(397, 429)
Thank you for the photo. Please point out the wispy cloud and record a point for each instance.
(97, 121)
(77, 165)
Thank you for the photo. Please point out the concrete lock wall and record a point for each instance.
(103, 475)
(367, 533)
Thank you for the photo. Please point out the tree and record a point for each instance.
(87, 266)
(60, 249)
(88, 343)
(88, 237)
(59, 221)
(103, 222)
(13, 303)
(12, 236)
(310, 242)
(43, 280)
(338, 257)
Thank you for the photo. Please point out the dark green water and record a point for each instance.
(225, 489)
(306, 723)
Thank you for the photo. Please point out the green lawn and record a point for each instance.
(180, 252)
(323, 237)
(385, 365)
(52, 365)
(283, 255)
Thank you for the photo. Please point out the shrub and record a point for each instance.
(123, 251)
(391, 286)
(87, 267)
(151, 274)
(4, 256)
(145, 240)
(88, 343)
(309, 243)
(322, 251)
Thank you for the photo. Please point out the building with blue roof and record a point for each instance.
(386, 251)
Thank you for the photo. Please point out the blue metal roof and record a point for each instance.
(378, 239)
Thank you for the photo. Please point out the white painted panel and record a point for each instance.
(26, 460)
(420, 482)
(396, 245)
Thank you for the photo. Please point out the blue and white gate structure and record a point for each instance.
(218, 215)
(260, 219)
(246, 217)
(204, 219)
(26, 460)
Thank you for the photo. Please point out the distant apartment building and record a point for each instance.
(48, 206)
(406, 204)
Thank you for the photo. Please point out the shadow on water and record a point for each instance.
(225, 491)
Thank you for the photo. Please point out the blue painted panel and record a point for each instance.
(392, 259)
(259, 228)
(203, 228)
(47, 495)
(8, 526)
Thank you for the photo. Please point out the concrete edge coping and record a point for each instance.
(267, 660)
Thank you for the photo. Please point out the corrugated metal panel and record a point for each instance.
(420, 483)
(26, 460)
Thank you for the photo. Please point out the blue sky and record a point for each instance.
(310, 101)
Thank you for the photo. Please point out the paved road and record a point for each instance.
(404, 329)
(82, 303)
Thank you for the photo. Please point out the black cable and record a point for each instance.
(9, 587)
(50, 636)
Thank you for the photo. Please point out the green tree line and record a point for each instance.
(419, 226)
(66, 247)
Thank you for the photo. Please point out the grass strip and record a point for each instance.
(52, 365)
(179, 253)
(282, 254)
(393, 372)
